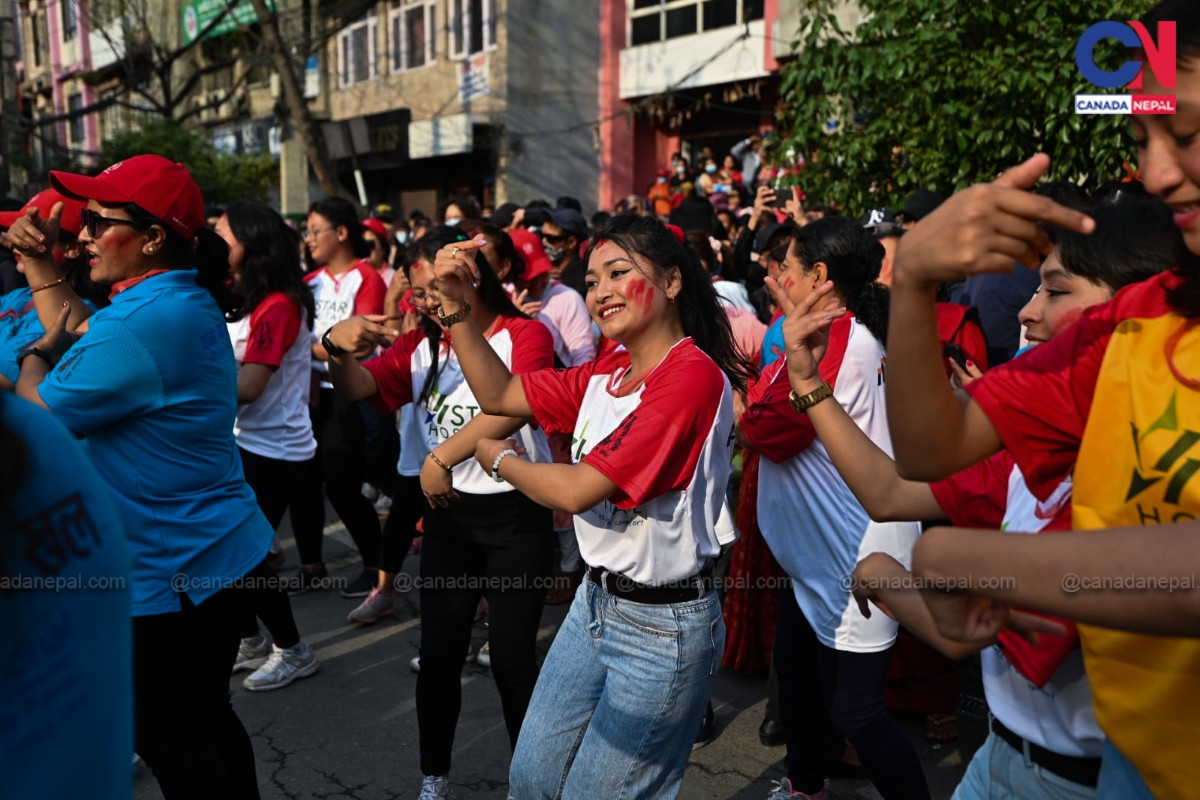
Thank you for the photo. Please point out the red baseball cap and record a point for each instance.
(376, 227)
(44, 201)
(536, 262)
(162, 187)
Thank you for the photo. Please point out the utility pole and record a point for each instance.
(8, 91)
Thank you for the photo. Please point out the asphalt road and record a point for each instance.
(350, 732)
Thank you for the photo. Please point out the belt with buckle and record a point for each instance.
(1077, 769)
(680, 591)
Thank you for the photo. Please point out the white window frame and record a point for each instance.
(661, 10)
(458, 24)
(345, 49)
(398, 30)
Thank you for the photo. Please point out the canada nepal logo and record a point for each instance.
(1160, 57)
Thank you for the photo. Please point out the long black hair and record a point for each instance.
(341, 214)
(207, 254)
(505, 249)
(700, 313)
(489, 292)
(270, 263)
(853, 259)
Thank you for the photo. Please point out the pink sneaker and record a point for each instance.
(783, 791)
(378, 604)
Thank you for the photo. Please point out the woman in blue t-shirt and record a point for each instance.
(151, 383)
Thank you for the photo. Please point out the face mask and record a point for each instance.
(452, 222)
(681, 169)
(662, 180)
(555, 253)
(402, 237)
(710, 168)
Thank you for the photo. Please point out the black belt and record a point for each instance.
(680, 591)
(1076, 769)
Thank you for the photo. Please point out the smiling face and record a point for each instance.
(625, 296)
(118, 251)
(424, 288)
(1060, 300)
(1168, 147)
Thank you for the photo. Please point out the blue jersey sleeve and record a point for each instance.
(773, 345)
(107, 376)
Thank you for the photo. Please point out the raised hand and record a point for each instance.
(362, 334)
(805, 331)
(984, 229)
(33, 236)
(456, 272)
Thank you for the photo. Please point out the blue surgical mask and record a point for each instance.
(710, 168)
(662, 180)
(452, 222)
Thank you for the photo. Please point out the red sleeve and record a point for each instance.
(392, 370)
(533, 345)
(555, 395)
(274, 326)
(369, 298)
(973, 341)
(771, 426)
(954, 326)
(1039, 402)
(656, 448)
(978, 496)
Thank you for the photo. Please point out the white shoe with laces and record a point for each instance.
(436, 787)
(252, 652)
(283, 667)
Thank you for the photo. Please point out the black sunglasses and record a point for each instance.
(97, 224)
(554, 239)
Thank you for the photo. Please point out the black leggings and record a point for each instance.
(502, 543)
(817, 683)
(341, 465)
(187, 731)
(400, 528)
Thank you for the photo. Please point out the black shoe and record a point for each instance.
(708, 729)
(304, 580)
(362, 585)
(770, 733)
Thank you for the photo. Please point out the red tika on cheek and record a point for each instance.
(789, 283)
(122, 241)
(640, 294)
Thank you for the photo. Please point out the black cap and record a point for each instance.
(762, 239)
(503, 216)
(572, 222)
(920, 204)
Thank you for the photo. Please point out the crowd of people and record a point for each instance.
(719, 379)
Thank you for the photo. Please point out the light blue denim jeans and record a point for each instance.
(1119, 778)
(1001, 772)
(619, 700)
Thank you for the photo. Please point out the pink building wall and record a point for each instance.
(616, 128)
(61, 69)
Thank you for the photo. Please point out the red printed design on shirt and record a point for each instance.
(274, 326)
(656, 447)
(771, 426)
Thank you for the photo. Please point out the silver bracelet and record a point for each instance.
(496, 464)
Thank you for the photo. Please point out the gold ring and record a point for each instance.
(454, 253)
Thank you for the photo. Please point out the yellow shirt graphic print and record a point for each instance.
(1139, 464)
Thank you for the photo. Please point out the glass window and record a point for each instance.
(681, 21)
(412, 35)
(356, 51)
(645, 30)
(69, 22)
(472, 27)
(75, 122)
(658, 20)
(752, 10)
(720, 13)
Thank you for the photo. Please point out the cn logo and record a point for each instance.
(1160, 56)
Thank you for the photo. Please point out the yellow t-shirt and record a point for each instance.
(1121, 392)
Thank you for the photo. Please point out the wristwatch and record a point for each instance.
(34, 350)
(448, 320)
(331, 348)
(802, 403)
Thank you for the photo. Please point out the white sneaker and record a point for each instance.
(484, 657)
(252, 652)
(436, 787)
(370, 492)
(283, 667)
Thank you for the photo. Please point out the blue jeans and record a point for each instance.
(619, 700)
(1119, 777)
(1001, 772)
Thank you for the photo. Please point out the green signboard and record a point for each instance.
(197, 15)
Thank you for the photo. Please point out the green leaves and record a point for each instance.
(944, 94)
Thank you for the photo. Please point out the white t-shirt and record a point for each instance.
(667, 446)
(523, 345)
(358, 290)
(277, 424)
(815, 527)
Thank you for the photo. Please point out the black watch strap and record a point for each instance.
(331, 348)
(34, 350)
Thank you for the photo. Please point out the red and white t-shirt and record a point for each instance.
(358, 290)
(815, 527)
(667, 446)
(1057, 714)
(277, 424)
(524, 345)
